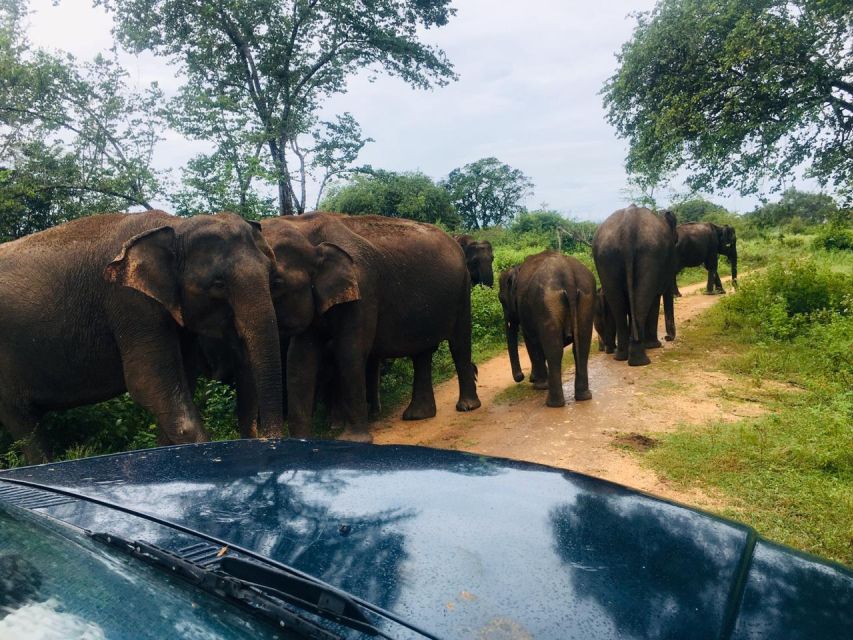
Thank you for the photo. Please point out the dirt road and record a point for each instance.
(629, 405)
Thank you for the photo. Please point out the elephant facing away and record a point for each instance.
(604, 324)
(552, 298)
(478, 258)
(108, 303)
(703, 243)
(634, 253)
(400, 289)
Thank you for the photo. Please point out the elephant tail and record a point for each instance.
(570, 323)
(632, 286)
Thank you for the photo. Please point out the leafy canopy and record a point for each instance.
(736, 91)
(487, 192)
(810, 208)
(75, 138)
(397, 195)
(260, 69)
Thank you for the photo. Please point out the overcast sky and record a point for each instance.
(528, 93)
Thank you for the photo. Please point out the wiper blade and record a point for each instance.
(314, 597)
(256, 587)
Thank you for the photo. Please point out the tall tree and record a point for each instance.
(74, 137)
(487, 192)
(276, 60)
(737, 91)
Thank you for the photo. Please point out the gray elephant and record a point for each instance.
(394, 288)
(109, 303)
(634, 253)
(551, 297)
(604, 324)
(479, 257)
(703, 243)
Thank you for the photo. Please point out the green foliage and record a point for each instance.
(487, 192)
(697, 210)
(555, 231)
(736, 91)
(809, 208)
(787, 299)
(257, 72)
(396, 195)
(76, 137)
(487, 318)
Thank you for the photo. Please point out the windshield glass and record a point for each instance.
(55, 584)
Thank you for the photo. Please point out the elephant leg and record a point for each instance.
(303, 364)
(539, 368)
(374, 406)
(650, 340)
(460, 349)
(619, 308)
(711, 266)
(580, 350)
(423, 399)
(155, 378)
(552, 345)
(351, 362)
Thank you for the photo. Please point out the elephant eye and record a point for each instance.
(218, 285)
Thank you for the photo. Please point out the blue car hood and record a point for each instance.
(465, 546)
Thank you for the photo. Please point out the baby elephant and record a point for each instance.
(552, 297)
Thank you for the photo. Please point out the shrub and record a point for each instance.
(834, 238)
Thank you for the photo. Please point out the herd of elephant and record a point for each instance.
(148, 302)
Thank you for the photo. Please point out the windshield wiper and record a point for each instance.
(257, 587)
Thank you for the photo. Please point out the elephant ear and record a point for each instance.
(335, 281)
(670, 219)
(148, 263)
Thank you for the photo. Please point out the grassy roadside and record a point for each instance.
(788, 336)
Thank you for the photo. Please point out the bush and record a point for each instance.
(487, 317)
(834, 238)
(786, 300)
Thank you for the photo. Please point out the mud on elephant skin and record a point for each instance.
(701, 243)
(551, 298)
(104, 304)
(408, 290)
(634, 253)
(479, 257)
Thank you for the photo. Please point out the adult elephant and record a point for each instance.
(703, 243)
(552, 298)
(634, 253)
(398, 288)
(478, 258)
(108, 303)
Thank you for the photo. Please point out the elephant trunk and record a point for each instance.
(257, 327)
(733, 262)
(487, 276)
(512, 347)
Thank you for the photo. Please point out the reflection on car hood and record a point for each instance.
(467, 546)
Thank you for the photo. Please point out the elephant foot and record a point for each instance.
(468, 404)
(676, 294)
(638, 360)
(557, 401)
(719, 292)
(518, 377)
(609, 350)
(356, 435)
(413, 412)
(540, 385)
(582, 395)
(373, 411)
(669, 338)
(652, 344)
(621, 356)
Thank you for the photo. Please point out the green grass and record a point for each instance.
(518, 392)
(788, 472)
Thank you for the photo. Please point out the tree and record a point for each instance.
(487, 192)
(809, 208)
(736, 91)
(562, 233)
(397, 195)
(273, 61)
(74, 137)
(696, 210)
